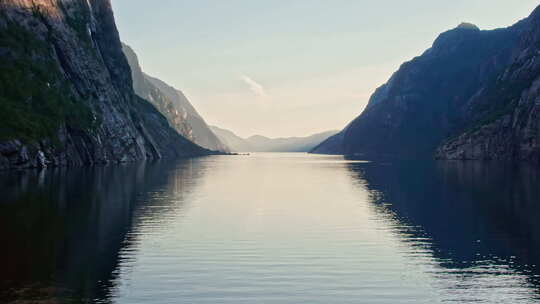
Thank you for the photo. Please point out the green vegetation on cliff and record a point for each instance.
(35, 99)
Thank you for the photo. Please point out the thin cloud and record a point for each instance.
(255, 87)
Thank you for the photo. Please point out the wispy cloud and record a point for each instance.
(254, 86)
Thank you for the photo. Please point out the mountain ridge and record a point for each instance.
(440, 94)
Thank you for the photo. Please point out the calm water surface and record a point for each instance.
(271, 228)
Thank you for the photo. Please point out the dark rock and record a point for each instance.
(10, 147)
(97, 118)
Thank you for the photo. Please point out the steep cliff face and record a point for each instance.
(505, 117)
(438, 95)
(173, 104)
(66, 95)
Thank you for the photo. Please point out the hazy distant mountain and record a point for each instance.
(173, 104)
(233, 141)
(258, 143)
(473, 95)
(288, 144)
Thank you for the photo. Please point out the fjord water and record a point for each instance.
(271, 228)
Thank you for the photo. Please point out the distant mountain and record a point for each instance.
(234, 142)
(473, 95)
(288, 144)
(173, 104)
(258, 143)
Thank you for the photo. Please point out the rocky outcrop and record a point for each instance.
(66, 95)
(473, 95)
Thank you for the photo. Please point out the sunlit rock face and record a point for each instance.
(66, 93)
(473, 95)
(173, 104)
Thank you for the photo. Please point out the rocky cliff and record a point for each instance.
(173, 104)
(476, 87)
(502, 121)
(66, 95)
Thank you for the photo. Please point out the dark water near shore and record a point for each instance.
(272, 228)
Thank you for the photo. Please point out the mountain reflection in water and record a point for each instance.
(271, 228)
(477, 219)
(63, 229)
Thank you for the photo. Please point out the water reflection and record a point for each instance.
(479, 221)
(62, 230)
(271, 228)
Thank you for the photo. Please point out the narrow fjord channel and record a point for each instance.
(271, 228)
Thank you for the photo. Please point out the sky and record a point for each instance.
(284, 68)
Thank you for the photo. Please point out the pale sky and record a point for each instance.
(291, 67)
